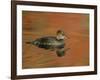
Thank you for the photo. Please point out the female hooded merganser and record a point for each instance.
(51, 43)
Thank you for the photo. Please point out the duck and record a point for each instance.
(53, 43)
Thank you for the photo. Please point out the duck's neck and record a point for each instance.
(60, 37)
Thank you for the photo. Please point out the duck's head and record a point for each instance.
(60, 35)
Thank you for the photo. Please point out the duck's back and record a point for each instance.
(48, 42)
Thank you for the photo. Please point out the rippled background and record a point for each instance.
(40, 24)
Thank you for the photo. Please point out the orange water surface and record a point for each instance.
(40, 24)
